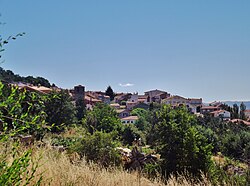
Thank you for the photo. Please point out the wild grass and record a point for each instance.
(62, 169)
(57, 169)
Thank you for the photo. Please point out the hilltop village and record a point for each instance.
(124, 103)
(168, 134)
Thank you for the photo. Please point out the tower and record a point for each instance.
(79, 92)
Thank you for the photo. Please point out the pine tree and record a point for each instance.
(235, 113)
(242, 111)
(109, 92)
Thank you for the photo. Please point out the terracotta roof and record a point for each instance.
(142, 100)
(130, 102)
(142, 97)
(240, 121)
(115, 105)
(130, 118)
(40, 89)
(175, 97)
(209, 107)
(248, 111)
(218, 111)
(155, 90)
(120, 110)
(88, 98)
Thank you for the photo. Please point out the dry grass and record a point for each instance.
(58, 170)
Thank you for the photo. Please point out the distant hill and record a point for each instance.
(231, 103)
(10, 77)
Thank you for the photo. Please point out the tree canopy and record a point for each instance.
(182, 148)
(102, 118)
(10, 77)
(109, 92)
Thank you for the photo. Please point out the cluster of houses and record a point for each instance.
(124, 103)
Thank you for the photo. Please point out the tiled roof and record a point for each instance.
(114, 105)
(130, 118)
(218, 111)
(155, 90)
(239, 121)
(209, 107)
(40, 89)
(120, 110)
(88, 98)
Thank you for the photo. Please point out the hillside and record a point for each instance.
(10, 77)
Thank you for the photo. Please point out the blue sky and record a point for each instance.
(191, 48)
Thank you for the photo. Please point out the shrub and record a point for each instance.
(21, 171)
(182, 148)
(99, 148)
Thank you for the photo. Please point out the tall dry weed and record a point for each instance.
(57, 169)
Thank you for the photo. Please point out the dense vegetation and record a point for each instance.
(188, 146)
(186, 143)
(10, 77)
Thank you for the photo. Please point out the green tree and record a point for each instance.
(100, 148)
(15, 120)
(129, 134)
(143, 115)
(59, 109)
(182, 148)
(242, 111)
(102, 118)
(9, 77)
(235, 111)
(21, 111)
(109, 92)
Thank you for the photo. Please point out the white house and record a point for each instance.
(223, 114)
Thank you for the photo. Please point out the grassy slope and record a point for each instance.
(58, 170)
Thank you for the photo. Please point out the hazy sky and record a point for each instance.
(193, 48)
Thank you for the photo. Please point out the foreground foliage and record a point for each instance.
(182, 148)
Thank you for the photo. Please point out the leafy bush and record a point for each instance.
(182, 148)
(129, 134)
(60, 110)
(64, 141)
(102, 118)
(99, 148)
(21, 171)
(20, 112)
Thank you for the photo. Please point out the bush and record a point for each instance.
(99, 148)
(102, 118)
(129, 134)
(182, 148)
(21, 171)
